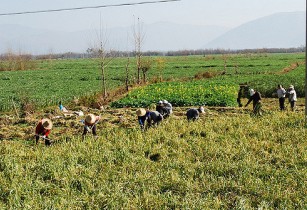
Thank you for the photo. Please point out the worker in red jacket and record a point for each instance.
(43, 129)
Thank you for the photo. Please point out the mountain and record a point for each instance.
(161, 36)
(281, 30)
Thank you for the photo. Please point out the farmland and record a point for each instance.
(225, 160)
(182, 94)
(65, 80)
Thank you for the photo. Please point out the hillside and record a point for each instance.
(282, 30)
(160, 36)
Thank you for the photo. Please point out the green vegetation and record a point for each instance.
(55, 80)
(195, 93)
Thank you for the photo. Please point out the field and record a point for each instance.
(195, 93)
(227, 159)
(65, 80)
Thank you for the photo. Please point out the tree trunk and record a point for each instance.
(127, 75)
(104, 89)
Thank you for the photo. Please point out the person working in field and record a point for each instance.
(90, 125)
(43, 129)
(148, 118)
(292, 97)
(162, 109)
(165, 108)
(193, 114)
(62, 108)
(255, 96)
(281, 94)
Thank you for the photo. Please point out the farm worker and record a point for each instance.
(292, 97)
(162, 109)
(239, 97)
(168, 106)
(281, 94)
(151, 117)
(43, 129)
(193, 114)
(255, 96)
(243, 91)
(62, 108)
(90, 124)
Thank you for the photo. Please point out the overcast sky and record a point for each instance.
(229, 13)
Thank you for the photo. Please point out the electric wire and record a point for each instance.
(88, 7)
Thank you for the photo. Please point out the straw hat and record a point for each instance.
(291, 87)
(90, 118)
(47, 124)
(140, 112)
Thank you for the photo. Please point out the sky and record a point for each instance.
(227, 13)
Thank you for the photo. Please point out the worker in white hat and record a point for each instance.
(162, 109)
(292, 97)
(193, 113)
(165, 108)
(255, 96)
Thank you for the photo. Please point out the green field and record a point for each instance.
(55, 80)
(193, 93)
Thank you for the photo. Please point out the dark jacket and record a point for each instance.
(255, 98)
(163, 111)
(192, 114)
(152, 118)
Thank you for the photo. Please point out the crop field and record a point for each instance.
(196, 93)
(228, 159)
(55, 80)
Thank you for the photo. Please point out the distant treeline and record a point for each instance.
(92, 53)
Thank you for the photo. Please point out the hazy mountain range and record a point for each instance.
(280, 30)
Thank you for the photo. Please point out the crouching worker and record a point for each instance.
(162, 109)
(43, 130)
(193, 114)
(168, 106)
(255, 96)
(90, 124)
(148, 117)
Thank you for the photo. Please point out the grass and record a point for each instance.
(226, 160)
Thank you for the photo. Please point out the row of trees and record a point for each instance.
(93, 53)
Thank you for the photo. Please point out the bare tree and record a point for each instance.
(138, 36)
(127, 75)
(105, 56)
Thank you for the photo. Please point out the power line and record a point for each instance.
(90, 7)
